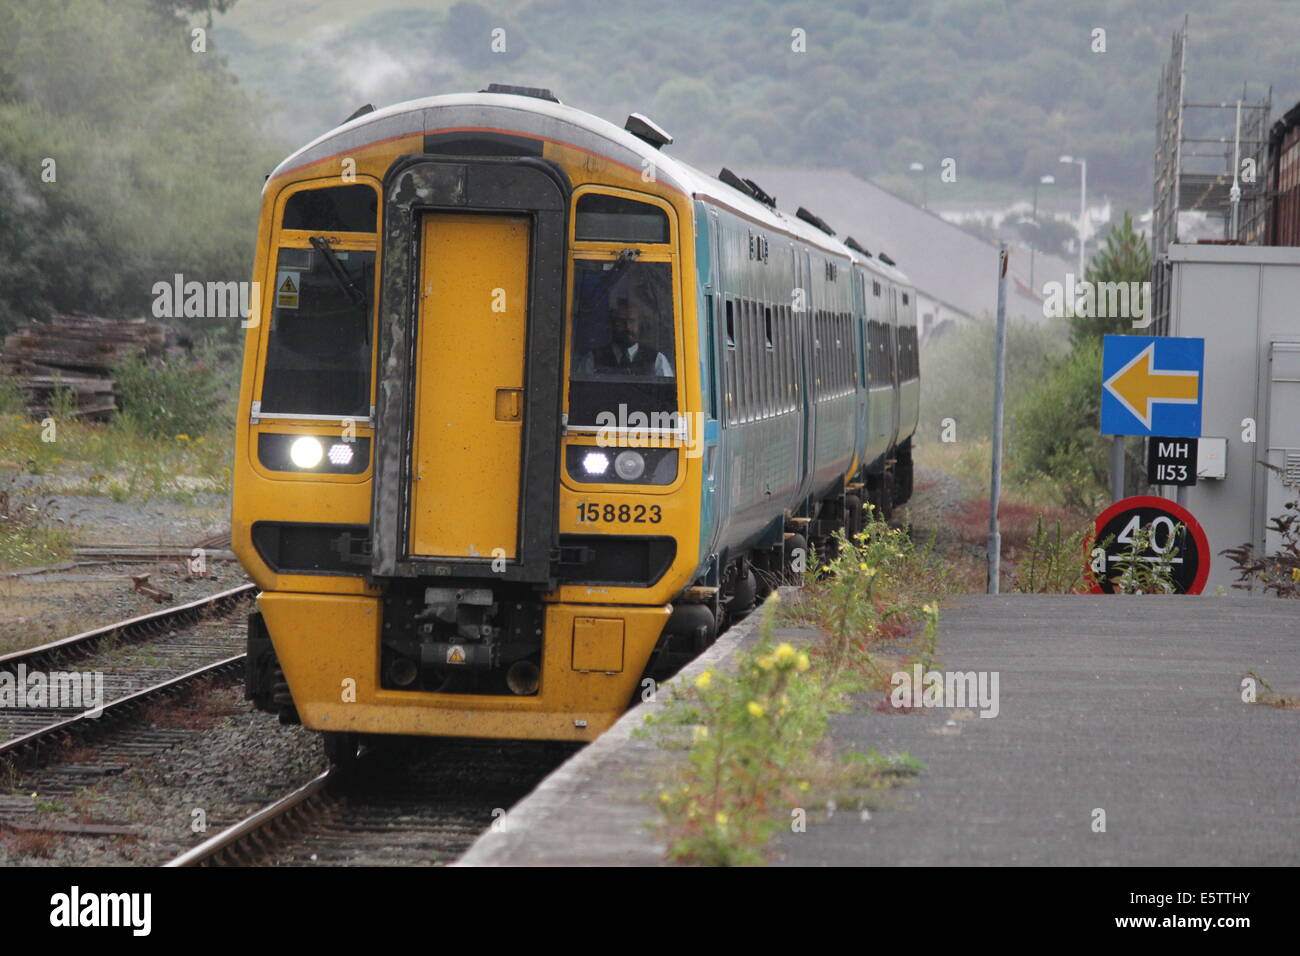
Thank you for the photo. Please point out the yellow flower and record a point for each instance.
(182, 437)
(826, 567)
(784, 653)
(867, 570)
(755, 708)
(704, 680)
(775, 597)
(664, 796)
(721, 818)
(766, 662)
(801, 663)
(805, 786)
(701, 732)
(1295, 574)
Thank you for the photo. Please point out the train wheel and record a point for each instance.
(795, 561)
(742, 600)
(342, 749)
(853, 515)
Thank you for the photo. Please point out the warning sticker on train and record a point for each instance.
(1174, 535)
(287, 285)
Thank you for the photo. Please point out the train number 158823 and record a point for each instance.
(622, 514)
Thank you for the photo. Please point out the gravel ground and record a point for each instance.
(78, 595)
(211, 752)
(38, 608)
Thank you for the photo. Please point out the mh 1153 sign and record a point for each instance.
(1171, 461)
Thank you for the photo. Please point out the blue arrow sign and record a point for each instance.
(1151, 385)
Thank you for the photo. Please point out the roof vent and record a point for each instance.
(856, 247)
(812, 220)
(536, 92)
(886, 260)
(643, 127)
(736, 183)
(760, 194)
(362, 111)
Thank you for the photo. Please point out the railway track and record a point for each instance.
(121, 667)
(407, 804)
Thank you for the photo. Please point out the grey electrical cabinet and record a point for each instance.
(1245, 302)
(1283, 449)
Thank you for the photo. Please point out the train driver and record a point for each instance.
(626, 354)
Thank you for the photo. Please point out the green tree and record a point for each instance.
(1125, 258)
(1055, 433)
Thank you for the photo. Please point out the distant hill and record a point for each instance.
(1001, 86)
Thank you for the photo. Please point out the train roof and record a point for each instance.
(548, 119)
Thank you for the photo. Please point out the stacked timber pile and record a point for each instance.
(78, 353)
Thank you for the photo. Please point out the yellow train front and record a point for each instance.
(478, 454)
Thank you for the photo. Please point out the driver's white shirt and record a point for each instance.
(587, 364)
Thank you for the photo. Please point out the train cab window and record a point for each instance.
(333, 209)
(602, 218)
(318, 351)
(623, 353)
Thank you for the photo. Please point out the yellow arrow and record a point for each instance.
(1137, 386)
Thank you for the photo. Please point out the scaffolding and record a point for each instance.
(1204, 152)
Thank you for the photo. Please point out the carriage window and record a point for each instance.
(318, 352)
(623, 358)
(602, 218)
(333, 209)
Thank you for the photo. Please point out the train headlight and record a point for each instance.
(595, 463)
(629, 465)
(340, 454)
(306, 452)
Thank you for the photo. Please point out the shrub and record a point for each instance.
(1278, 572)
(176, 396)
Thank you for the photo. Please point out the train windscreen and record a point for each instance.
(318, 354)
(623, 358)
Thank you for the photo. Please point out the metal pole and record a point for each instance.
(1033, 288)
(999, 381)
(1083, 209)
(1116, 467)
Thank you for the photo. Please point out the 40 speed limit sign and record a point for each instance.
(1171, 528)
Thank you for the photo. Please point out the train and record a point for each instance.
(530, 410)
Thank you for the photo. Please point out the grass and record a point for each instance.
(117, 460)
(1270, 696)
(30, 535)
(757, 758)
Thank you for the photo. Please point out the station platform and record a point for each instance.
(1128, 705)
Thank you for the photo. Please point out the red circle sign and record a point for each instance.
(1194, 557)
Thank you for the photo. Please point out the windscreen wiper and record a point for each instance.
(608, 280)
(345, 282)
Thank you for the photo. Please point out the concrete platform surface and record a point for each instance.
(1128, 705)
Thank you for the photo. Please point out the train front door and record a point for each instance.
(469, 408)
(467, 398)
